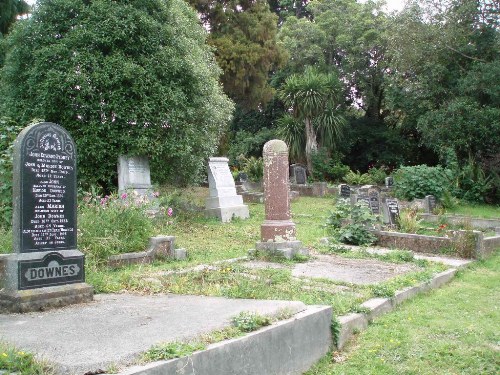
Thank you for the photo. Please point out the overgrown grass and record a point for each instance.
(452, 330)
(5, 241)
(478, 210)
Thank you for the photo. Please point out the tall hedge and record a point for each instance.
(123, 77)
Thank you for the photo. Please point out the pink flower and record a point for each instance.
(104, 200)
(124, 196)
(170, 212)
(156, 194)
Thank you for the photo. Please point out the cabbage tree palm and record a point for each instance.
(312, 99)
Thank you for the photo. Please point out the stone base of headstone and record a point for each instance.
(286, 249)
(19, 294)
(226, 214)
(22, 301)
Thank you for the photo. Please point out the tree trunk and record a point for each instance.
(311, 145)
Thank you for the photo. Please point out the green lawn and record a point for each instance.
(452, 330)
(477, 210)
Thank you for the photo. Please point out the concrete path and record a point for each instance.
(115, 328)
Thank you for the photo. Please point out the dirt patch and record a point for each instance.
(356, 271)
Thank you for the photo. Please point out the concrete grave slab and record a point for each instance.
(356, 271)
(115, 328)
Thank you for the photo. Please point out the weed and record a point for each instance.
(249, 321)
(408, 221)
(13, 360)
(171, 350)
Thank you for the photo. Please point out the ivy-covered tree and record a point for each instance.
(123, 77)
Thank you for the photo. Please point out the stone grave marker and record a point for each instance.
(393, 210)
(278, 230)
(134, 174)
(298, 174)
(46, 269)
(389, 182)
(374, 201)
(363, 198)
(344, 190)
(223, 201)
(430, 203)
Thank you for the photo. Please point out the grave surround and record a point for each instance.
(46, 268)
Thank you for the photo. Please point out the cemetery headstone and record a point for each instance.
(344, 190)
(134, 174)
(393, 210)
(389, 182)
(298, 174)
(430, 203)
(46, 269)
(223, 201)
(374, 197)
(364, 199)
(278, 230)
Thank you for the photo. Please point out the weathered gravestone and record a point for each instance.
(430, 203)
(223, 201)
(392, 211)
(389, 182)
(278, 230)
(134, 174)
(46, 269)
(344, 190)
(298, 174)
(365, 199)
(374, 197)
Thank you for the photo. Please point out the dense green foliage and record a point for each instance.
(421, 180)
(351, 224)
(123, 77)
(8, 132)
(9, 10)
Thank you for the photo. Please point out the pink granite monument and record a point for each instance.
(278, 230)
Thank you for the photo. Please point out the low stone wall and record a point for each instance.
(466, 244)
(490, 244)
(316, 189)
(159, 246)
(455, 219)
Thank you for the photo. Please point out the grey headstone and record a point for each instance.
(393, 210)
(374, 197)
(430, 203)
(134, 174)
(298, 174)
(389, 182)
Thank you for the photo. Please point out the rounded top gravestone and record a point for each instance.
(44, 189)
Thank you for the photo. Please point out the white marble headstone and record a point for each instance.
(223, 201)
(133, 173)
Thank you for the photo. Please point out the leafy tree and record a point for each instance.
(313, 99)
(9, 10)
(123, 77)
(243, 33)
(445, 80)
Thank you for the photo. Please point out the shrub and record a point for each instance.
(351, 224)
(356, 178)
(254, 168)
(421, 180)
(327, 168)
(110, 225)
(377, 175)
(408, 221)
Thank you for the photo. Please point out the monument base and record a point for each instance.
(40, 299)
(286, 249)
(226, 214)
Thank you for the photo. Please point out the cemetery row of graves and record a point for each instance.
(60, 262)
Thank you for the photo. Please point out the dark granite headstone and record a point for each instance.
(375, 205)
(300, 175)
(389, 182)
(44, 220)
(393, 210)
(344, 190)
